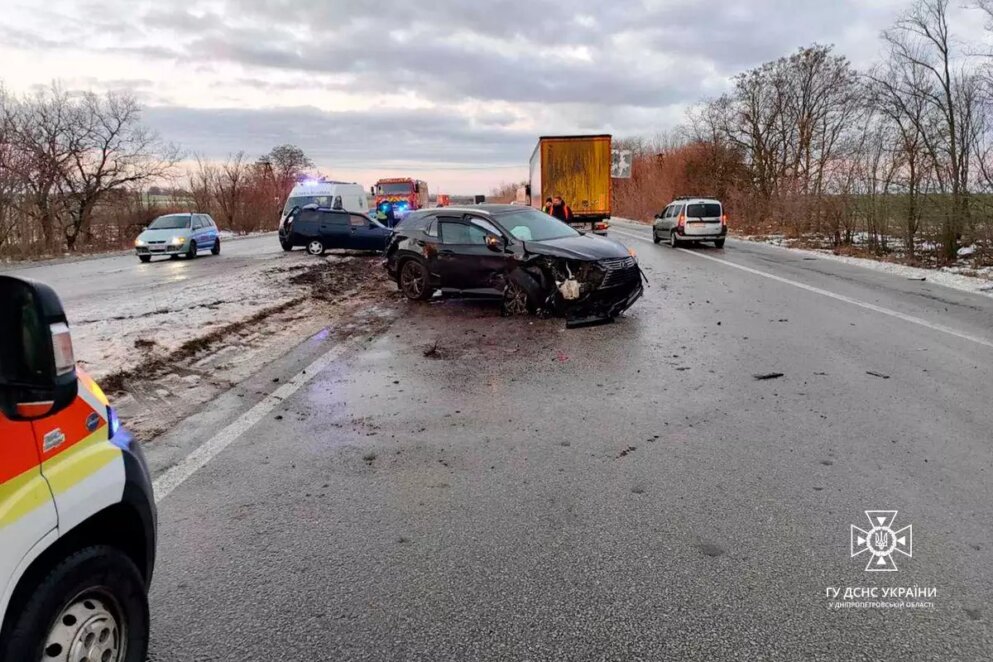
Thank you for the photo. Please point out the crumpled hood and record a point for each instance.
(584, 247)
(163, 235)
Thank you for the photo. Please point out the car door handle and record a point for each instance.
(446, 251)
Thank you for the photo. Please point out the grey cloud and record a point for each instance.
(352, 139)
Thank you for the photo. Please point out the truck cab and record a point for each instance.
(77, 512)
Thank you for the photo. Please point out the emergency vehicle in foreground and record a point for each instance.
(405, 194)
(77, 513)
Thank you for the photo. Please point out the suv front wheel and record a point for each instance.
(91, 606)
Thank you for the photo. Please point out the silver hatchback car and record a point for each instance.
(687, 220)
(178, 234)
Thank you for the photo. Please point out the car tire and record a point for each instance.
(673, 241)
(315, 247)
(515, 300)
(145, 258)
(415, 281)
(96, 595)
(655, 237)
(719, 243)
(191, 252)
(216, 248)
(285, 245)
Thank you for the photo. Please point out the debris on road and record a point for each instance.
(768, 375)
(626, 451)
(877, 374)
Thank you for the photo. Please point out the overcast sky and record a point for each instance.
(453, 91)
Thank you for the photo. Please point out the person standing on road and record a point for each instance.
(560, 210)
(391, 217)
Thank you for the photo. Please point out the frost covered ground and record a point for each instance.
(961, 277)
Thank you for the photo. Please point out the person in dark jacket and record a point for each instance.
(560, 210)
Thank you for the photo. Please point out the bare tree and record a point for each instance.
(921, 41)
(112, 150)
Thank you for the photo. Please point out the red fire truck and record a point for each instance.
(404, 194)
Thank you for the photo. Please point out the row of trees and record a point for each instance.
(900, 156)
(77, 171)
(63, 155)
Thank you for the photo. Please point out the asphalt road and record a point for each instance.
(120, 277)
(623, 492)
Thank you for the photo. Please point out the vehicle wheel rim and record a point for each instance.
(413, 280)
(516, 300)
(314, 247)
(88, 630)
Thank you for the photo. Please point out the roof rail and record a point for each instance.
(695, 197)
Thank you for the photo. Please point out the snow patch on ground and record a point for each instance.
(952, 277)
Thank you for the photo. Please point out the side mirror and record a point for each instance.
(495, 243)
(37, 365)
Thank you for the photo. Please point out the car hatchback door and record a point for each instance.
(703, 218)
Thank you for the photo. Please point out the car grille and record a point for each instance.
(619, 271)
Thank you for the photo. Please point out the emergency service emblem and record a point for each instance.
(882, 541)
(93, 421)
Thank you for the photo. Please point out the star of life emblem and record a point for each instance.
(881, 541)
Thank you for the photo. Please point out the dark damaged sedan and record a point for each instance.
(534, 262)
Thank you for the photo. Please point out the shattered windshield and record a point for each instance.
(533, 225)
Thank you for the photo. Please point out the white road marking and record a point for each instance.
(196, 460)
(839, 297)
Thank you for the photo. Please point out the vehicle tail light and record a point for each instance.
(681, 221)
(724, 219)
(65, 361)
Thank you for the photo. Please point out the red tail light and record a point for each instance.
(681, 221)
(724, 219)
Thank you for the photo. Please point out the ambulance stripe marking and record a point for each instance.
(80, 461)
(22, 495)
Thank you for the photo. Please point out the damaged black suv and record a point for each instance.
(536, 263)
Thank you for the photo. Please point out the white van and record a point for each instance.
(351, 197)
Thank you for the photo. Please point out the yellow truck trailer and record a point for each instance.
(576, 168)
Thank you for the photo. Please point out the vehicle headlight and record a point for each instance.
(139, 242)
(178, 241)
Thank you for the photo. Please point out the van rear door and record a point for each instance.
(703, 218)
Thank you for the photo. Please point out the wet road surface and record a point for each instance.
(621, 492)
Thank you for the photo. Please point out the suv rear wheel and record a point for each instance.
(414, 281)
(91, 606)
(673, 241)
(719, 243)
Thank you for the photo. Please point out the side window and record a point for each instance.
(357, 221)
(667, 212)
(453, 231)
(337, 220)
(197, 222)
(209, 222)
(431, 229)
(677, 210)
(485, 225)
